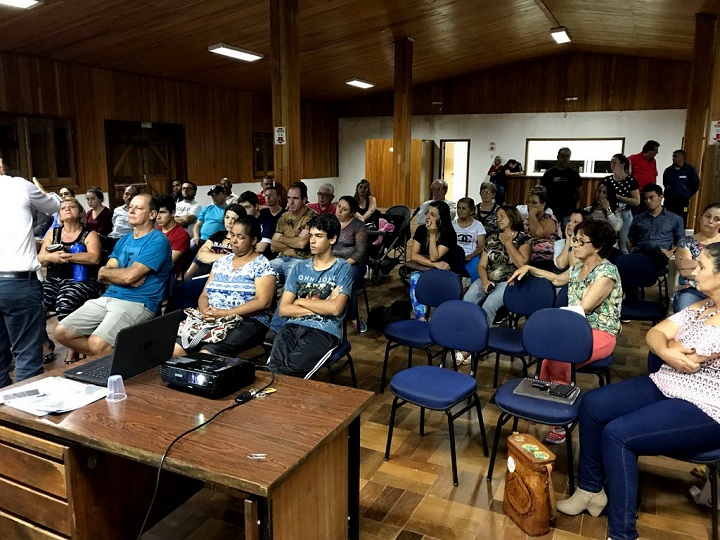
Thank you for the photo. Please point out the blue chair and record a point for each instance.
(523, 298)
(456, 324)
(638, 271)
(575, 347)
(710, 458)
(433, 288)
(561, 296)
(335, 365)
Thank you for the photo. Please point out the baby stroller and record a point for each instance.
(390, 252)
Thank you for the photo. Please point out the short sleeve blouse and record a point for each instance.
(606, 316)
(695, 248)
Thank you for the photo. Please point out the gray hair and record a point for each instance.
(329, 187)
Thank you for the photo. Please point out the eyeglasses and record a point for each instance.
(579, 241)
(320, 194)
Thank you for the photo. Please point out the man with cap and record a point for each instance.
(210, 219)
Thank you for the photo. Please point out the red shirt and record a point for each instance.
(315, 207)
(261, 198)
(644, 171)
(179, 241)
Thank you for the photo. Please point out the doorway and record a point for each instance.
(455, 166)
(147, 155)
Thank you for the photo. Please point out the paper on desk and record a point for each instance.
(57, 395)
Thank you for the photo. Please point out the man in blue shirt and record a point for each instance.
(211, 217)
(314, 300)
(681, 182)
(137, 272)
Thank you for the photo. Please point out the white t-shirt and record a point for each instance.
(467, 237)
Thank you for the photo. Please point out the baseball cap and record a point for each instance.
(216, 189)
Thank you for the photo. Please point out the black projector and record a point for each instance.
(208, 374)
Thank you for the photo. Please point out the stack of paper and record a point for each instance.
(52, 395)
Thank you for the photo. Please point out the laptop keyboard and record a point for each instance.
(100, 373)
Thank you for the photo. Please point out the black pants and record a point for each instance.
(677, 206)
(301, 350)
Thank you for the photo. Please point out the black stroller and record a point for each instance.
(390, 252)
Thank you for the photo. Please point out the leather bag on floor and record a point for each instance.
(529, 496)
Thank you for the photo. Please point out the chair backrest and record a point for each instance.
(459, 325)
(654, 362)
(558, 334)
(561, 297)
(636, 270)
(526, 296)
(437, 286)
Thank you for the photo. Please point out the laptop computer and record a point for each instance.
(137, 349)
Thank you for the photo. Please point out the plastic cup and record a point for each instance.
(116, 389)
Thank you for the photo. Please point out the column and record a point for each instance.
(402, 116)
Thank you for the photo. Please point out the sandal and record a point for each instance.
(50, 357)
(556, 436)
(461, 359)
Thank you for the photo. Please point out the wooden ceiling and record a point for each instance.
(340, 39)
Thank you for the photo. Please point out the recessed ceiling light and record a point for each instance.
(235, 52)
(19, 3)
(359, 83)
(560, 35)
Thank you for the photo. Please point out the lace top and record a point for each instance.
(694, 247)
(701, 388)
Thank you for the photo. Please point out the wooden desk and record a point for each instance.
(56, 471)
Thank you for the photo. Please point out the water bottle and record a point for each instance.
(79, 270)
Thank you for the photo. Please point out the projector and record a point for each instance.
(208, 374)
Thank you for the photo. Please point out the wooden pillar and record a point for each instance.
(402, 117)
(703, 80)
(285, 66)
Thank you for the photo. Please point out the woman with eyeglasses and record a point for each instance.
(594, 286)
(486, 209)
(672, 411)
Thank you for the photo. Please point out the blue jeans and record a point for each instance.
(281, 266)
(22, 327)
(685, 297)
(489, 302)
(624, 420)
(627, 218)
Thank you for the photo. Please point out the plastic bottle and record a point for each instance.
(79, 270)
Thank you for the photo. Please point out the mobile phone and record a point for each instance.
(52, 248)
(562, 390)
(540, 385)
(490, 288)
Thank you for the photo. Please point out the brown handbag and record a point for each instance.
(529, 496)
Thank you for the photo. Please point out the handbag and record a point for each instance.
(195, 329)
(529, 495)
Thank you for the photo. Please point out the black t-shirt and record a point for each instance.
(561, 185)
(448, 239)
(622, 187)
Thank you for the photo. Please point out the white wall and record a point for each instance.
(509, 132)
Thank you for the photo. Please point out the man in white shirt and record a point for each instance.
(22, 316)
(231, 197)
(439, 189)
(188, 209)
(120, 215)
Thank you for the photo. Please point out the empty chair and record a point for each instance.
(433, 288)
(439, 389)
(639, 271)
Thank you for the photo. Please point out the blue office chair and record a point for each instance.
(555, 334)
(710, 458)
(433, 288)
(561, 296)
(456, 325)
(523, 298)
(638, 271)
(335, 364)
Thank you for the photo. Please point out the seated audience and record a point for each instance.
(564, 256)
(367, 204)
(217, 246)
(187, 208)
(99, 217)
(291, 237)
(470, 235)
(137, 271)
(120, 215)
(439, 190)
(314, 300)
(265, 183)
(434, 245)
(687, 253)
(627, 193)
(231, 198)
(672, 411)
(211, 217)
(605, 206)
(269, 217)
(65, 193)
(594, 285)
(178, 237)
(542, 228)
(241, 283)
(176, 192)
(61, 293)
(486, 210)
(325, 196)
(504, 252)
(352, 245)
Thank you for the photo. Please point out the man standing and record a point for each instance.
(187, 209)
(655, 231)
(563, 185)
(211, 217)
(644, 166)
(178, 237)
(22, 316)
(231, 198)
(325, 195)
(291, 236)
(265, 183)
(681, 181)
(137, 271)
(439, 189)
(314, 300)
(120, 215)
(177, 190)
(269, 217)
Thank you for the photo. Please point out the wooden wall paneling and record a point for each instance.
(379, 171)
(319, 140)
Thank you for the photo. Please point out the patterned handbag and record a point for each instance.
(195, 329)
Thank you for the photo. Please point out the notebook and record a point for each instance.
(137, 349)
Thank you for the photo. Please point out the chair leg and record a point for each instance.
(410, 357)
(367, 303)
(385, 366)
(570, 463)
(351, 365)
(502, 419)
(453, 459)
(515, 423)
(452, 352)
(713, 472)
(390, 427)
(497, 369)
(481, 421)
(422, 421)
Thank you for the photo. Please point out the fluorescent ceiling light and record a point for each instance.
(19, 3)
(359, 83)
(235, 52)
(560, 35)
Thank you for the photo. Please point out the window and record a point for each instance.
(590, 157)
